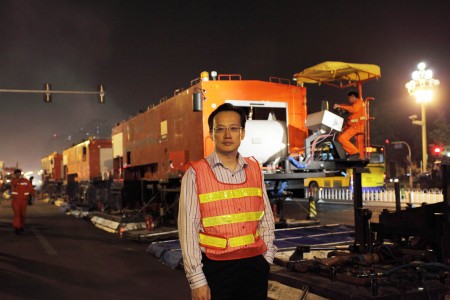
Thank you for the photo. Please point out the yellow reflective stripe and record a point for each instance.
(241, 240)
(357, 120)
(230, 219)
(213, 241)
(218, 242)
(230, 194)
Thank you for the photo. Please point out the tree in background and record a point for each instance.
(440, 133)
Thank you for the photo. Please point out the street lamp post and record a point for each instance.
(409, 160)
(422, 88)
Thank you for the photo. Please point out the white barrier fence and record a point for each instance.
(413, 196)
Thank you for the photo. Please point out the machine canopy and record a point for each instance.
(338, 74)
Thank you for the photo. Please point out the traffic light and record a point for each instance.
(437, 150)
(47, 94)
(101, 93)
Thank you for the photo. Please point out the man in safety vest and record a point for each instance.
(21, 189)
(355, 125)
(225, 222)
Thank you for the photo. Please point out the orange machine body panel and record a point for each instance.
(85, 161)
(221, 91)
(52, 167)
(157, 143)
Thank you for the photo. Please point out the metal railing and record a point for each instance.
(413, 196)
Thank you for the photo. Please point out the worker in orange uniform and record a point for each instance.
(225, 221)
(355, 125)
(21, 189)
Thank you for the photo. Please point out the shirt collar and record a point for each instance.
(215, 161)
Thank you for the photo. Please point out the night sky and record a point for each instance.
(142, 51)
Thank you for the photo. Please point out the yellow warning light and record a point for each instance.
(204, 76)
(370, 149)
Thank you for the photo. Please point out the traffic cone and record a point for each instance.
(121, 230)
(149, 223)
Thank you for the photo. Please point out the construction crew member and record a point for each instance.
(225, 221)
(21, 189)
(354, 126)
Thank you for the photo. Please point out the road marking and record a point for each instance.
(44, 242)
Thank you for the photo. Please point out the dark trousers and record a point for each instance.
(245, 278)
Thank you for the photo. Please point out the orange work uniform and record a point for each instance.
(355, 124)
(21, 189)
(230, 213)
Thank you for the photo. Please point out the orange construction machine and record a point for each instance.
(52, 167)
(156, 144)
(52, 175)
(150, 150)
(86, 169)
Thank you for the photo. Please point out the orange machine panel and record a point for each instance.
(151, 139)
(52, 167)
(221, 91)
(84, 159)
(162, 139)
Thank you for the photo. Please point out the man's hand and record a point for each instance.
(336, 106)
(201, 293)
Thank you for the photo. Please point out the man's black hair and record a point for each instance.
(227, 107)
(17, 171)
(353, 93)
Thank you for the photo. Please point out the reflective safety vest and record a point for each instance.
(230, 213)
(21, 188)
(357, 118)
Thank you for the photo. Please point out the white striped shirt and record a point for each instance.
(189, 224)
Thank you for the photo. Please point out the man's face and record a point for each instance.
(17, 175)
(227, 133)
(352, 99)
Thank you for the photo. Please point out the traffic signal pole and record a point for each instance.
(409, 160)
(47, 91)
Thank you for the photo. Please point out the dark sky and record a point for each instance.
(144, 50)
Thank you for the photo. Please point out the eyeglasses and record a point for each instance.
(232, 129)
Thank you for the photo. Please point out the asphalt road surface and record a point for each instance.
(62, 257)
